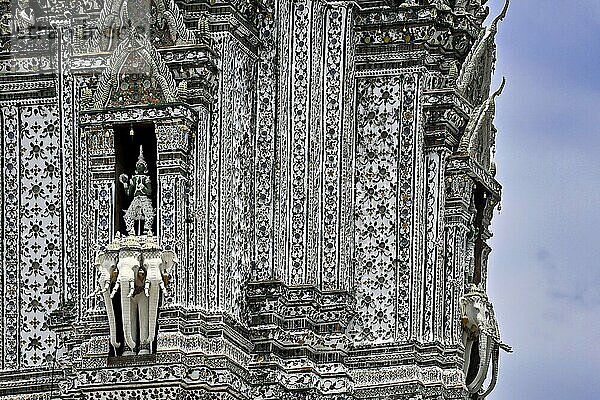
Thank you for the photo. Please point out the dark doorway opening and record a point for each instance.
(127, 149)
(116, 303)
(474, 359)
(480, 204)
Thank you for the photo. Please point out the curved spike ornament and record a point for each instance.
(482, 116)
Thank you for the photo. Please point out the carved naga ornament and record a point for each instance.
(479, 129)
(480, 50)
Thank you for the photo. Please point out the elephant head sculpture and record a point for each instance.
(128, 265)
(158, 265)
(139, 268)
(480, 335)
(106, 265)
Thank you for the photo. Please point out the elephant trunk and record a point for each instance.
(485, 349)
(153, 311)
(126, 314)
(111, 318)
(495, 358)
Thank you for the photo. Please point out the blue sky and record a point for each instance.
(544, 276)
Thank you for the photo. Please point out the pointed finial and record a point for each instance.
(501, 88)
(141, 158)
(502, 14)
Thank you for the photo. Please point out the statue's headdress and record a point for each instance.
(141, 160)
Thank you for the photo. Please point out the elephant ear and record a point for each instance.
(169, 259)
(99, 259)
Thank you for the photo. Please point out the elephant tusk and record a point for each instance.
(147, 289)
(163, 287)
(131, 289)
(505, 347)
(115, 289)
(106, 287)
(494, 381)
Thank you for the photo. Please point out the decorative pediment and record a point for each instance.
(117, 14)
(136, 74)
(475, 76)
(479, 136)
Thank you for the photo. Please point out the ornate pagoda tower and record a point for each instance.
(247, 199)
